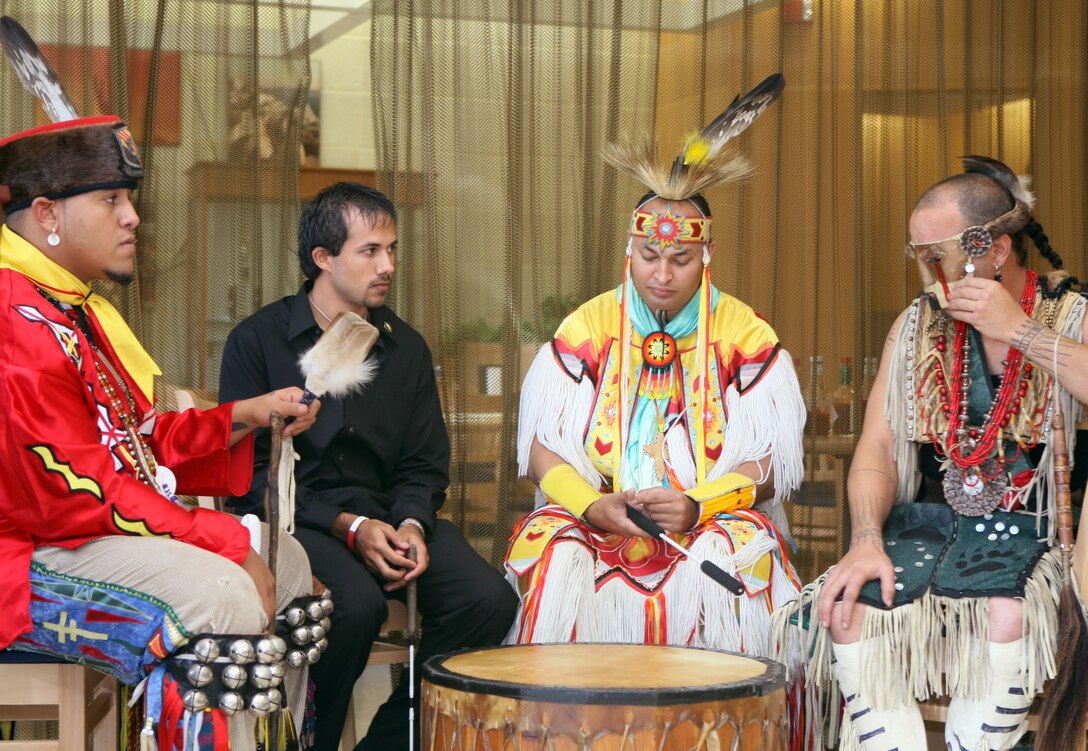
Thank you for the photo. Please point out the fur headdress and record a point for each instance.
(66, 158)
(70, 155)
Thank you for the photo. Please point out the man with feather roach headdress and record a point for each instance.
(101, 565)
(956, 492)
(670, 397)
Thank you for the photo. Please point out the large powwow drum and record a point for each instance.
(602, 697)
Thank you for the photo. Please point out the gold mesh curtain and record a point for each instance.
(215, 92)
(490, 116)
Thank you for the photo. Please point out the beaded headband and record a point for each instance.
(668, 230)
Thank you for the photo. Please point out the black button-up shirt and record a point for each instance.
(383, 453)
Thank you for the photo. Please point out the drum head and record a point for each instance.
(632, 674)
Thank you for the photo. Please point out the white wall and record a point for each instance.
(347, 130)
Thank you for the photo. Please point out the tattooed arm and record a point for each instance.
(871, 487)
(993, 311)
(249, 414)
(1037, 342)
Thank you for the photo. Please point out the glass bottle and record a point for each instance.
(867, 379)
(817, 402)
(842, 399)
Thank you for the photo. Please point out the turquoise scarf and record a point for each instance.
(638, 470)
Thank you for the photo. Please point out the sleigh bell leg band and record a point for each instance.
(230, 672)
(305, 625)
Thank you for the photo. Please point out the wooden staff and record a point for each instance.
(272, 492)
(1064, 716)
(272, 514)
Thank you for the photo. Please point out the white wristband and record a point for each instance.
(351, 530)
(355, 524)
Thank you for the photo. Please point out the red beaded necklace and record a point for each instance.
(968, 486)
(1005, 404)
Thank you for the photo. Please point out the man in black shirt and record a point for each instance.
(374, 468)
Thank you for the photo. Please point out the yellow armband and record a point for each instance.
(565, 486)
(725, 494)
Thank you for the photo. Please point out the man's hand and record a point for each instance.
(408, 535)
(380, 547)
(257, 412)
(609, 513)
(262, 577)
(865, 561)
(672, 510)
(986, 305)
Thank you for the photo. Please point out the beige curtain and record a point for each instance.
(489, 120)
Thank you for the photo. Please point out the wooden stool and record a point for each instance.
(82, 701)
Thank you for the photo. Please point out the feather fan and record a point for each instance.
(337, 364)
(35, 72)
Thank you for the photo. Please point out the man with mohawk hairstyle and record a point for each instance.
(672, 398)
(951, 581)
(373, 472)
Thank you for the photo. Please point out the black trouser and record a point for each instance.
(463, 603)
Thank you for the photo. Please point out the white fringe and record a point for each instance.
(698, 611)
(614, 614)
(901, 381)
(767, 420)
(553, 410)
(907, 658)
(680, 458)
(564, 596)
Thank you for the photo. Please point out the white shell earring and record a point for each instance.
(54, 238)
(628, 251)
(706, 255)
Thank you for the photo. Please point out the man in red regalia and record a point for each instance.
(100, 564)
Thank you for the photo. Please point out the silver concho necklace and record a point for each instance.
(976, 491)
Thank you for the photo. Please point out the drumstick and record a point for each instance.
(411, 654)
(647, 525)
